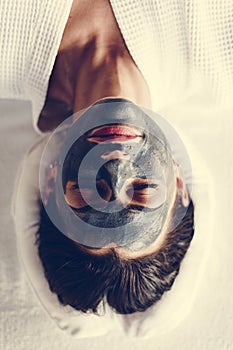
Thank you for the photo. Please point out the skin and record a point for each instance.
(97, 53)
(91, 53)
(145, 193)
(147, 247)
(129, 252)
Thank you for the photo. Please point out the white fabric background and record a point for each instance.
(173, 307)
(209, 320)
(208, 325)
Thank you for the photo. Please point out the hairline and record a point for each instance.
(159, 241)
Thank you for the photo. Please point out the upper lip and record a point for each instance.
(115, 133)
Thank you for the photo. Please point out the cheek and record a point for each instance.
(75, 157)
(150, 162)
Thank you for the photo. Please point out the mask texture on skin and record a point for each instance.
(78, 159)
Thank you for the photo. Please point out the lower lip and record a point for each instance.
(114, 133)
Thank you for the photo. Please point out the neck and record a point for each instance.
(93, 63)
(108, 72)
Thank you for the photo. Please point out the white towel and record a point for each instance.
(160, 318)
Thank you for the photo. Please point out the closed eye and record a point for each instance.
(91, 189)
(81, 194)
(82, 186)
(144, 186)
(146, 192)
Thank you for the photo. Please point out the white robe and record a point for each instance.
(158, 319)
(183, 48)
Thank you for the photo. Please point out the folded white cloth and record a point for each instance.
(160, 318)
(181, 47)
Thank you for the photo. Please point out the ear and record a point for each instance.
(181, 187)
(50, 183)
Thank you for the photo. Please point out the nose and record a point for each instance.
(115, 172)
(116, 154)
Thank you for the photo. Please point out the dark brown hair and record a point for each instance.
(82, 280)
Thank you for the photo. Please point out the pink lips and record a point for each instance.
(114, 133)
